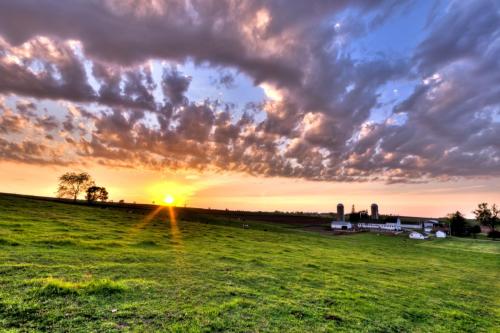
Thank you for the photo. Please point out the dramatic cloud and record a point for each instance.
(453, 115)
(325, 116)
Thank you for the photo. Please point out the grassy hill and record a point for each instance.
(74, 268)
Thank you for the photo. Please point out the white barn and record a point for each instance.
(411, 226)
(341, 225)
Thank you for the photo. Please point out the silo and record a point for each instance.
(340, 212)
(374, 212)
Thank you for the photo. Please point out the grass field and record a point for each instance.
(75, 268)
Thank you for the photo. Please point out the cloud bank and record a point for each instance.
(94, 60)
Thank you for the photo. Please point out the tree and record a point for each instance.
(495, 219)
(475, 229)
(95, 193)
(363, 215)
(354, 217)
(486, 216)
(457, 224)
(71, 184)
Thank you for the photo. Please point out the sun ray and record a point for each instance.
(144, 223)
(174, 228)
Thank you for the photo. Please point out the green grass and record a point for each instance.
(57, 287)
(81, 269)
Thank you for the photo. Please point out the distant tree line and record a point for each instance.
(72, 184)
(486, 216)
(358, 216)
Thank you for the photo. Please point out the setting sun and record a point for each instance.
(173, 192)
(169, 199)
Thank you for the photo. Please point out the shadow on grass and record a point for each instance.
(146, 243)
(57, 242)
(8, 242)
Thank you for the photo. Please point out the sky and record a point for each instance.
(257, 105)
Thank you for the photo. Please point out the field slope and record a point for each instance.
(75, 268)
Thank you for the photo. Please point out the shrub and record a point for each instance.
(494, 234)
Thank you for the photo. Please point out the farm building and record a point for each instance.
(361, 220)
(416, 235)
(411, 226)
(429, 225)
(440, 234)
(341, 225)
(389, 226)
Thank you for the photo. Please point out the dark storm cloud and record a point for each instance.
(317, 128)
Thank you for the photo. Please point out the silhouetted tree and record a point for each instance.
(475, 229)
(494, 234)
(71, 184)
(457, 224)
(354, 217)
(495, 219)
(486, 216)
(359, 216)
(95, 193)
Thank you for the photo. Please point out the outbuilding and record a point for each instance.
(440, 234)
(416, 235)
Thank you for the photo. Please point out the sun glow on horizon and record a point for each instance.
(169, 199)
(172, 192)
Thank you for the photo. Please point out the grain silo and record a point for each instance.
(374, 215)
(340, 212)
